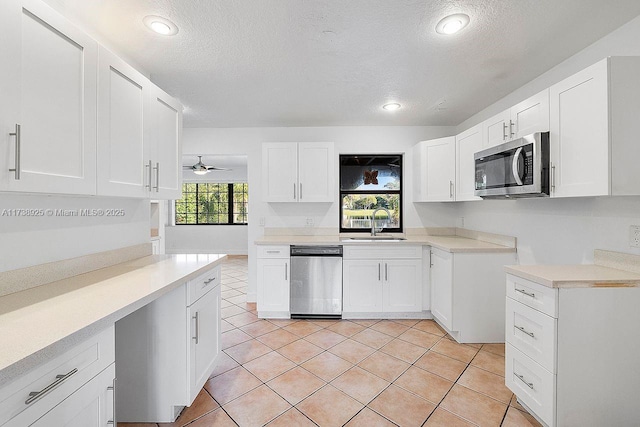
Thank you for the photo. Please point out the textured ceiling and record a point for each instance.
(239, 63)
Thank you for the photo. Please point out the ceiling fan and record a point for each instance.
(202, 169)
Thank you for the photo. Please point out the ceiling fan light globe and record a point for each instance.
(201, 172)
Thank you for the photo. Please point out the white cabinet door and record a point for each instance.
(49, 69)
(579, 134)
(273, 285)
(362, 286)
(467, 144)
(166, 146)
(402, 289)
(530, 115)
(89, 406)
(280, 172)
(495, 130)
(204, 319)
(440, 165)
(123, 108)
(316, 170)
(442, 287)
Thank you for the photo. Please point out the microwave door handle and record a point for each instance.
(515, 169)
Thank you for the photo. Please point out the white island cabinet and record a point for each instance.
(571, 350)
(73, 389)
(166, 351)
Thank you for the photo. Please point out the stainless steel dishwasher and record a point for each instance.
(316, 282)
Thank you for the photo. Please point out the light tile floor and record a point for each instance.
(346, 373)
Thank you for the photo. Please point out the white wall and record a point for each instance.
(348, 139)
(30, 240)
(561, 231)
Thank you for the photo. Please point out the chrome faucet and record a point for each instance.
(373, 220)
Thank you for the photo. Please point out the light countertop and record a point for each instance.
(575, 276)
(38, 323)
(446, 243)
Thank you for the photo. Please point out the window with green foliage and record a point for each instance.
(213, 203)
(369, 182)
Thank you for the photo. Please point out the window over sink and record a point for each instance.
(369, 182)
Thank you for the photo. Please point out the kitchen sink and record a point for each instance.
(373, 239)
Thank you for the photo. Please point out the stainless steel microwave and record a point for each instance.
(515, 169)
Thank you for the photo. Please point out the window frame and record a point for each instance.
(230, 204)
(400, 192)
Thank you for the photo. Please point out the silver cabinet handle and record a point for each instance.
(386, 271)
(157, 169)
(294, 191)
(148, 165)
(451, 189)
(273, 252)
(16, 170)
(520, 328)
(300, 191)
(521, 378)
(197, 337)
(511, 125)
(504, 131)
(522, 291)
(35, 395)
(286, 272)
(379, 276)
(113, 415)
(206, 282)
(553, 177)
(430, 259)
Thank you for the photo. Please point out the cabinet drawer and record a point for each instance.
(382, 251)
(56, 379)
(273, 251)
(203, 284)
(532, 332)
(534, 295)
(534, 385)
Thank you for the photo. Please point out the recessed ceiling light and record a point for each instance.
(160, 25)
(452, 23)
(391, 106)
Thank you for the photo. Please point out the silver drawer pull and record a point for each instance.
(521, 378)
(273, 252)
(197, 337)
(16, 170)
(522, 291)
(206, 282)
(520, 328)
(35, 395)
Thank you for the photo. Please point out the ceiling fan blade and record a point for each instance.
(213, 168)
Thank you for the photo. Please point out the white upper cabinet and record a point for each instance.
(593, 139)
(165, 146)
(48, 103)
(524, 118)
(435, 170)
(298, 172)
(124, 98)
(467, 144)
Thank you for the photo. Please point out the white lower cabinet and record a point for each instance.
(382, 285)
(72, 389)
(571, 353)
(90, 406)
(467, 294)
(273, 281)
(166, 350)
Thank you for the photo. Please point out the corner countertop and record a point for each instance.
(446, 243)
(609, 270)
(41, 322)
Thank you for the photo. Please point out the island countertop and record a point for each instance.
(38, 323)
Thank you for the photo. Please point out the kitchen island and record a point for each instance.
(41, 325)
